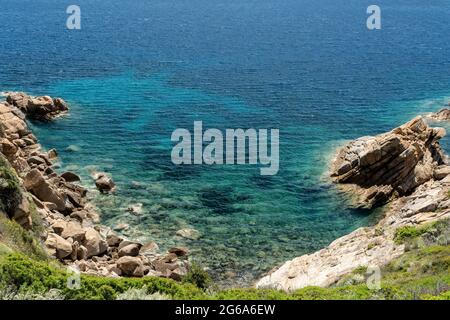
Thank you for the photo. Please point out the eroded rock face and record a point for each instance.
(389, 165)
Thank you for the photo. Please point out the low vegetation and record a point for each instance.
(26, 272)
(10, 194)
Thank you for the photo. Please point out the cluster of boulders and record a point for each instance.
(393, 164)
(405, 160)
(42, 107)
(441, 115)
(72, 233)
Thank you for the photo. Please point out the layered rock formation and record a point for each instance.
(72, 233)
(389, 165)
(406, 160)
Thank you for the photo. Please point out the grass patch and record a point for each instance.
(430, 232)
(16, 238)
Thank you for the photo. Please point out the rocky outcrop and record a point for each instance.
(414, 151)
(104, 183)
(389, 165)
(441, 115)
(72, 233)
(41, 108)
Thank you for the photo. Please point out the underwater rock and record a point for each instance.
(189, 233)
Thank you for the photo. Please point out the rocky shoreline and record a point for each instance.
(72, 232)
(404, 168)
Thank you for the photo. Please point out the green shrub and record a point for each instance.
(10, 192)
(198, 277)
(26, 275)
(406, 233)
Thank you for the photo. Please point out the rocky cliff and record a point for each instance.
(71, 233)
(405, 166)
(377, 169)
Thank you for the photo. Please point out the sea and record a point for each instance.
(139, 69)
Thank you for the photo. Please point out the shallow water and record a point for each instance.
(309, 68)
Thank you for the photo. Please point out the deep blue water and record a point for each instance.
(139, 69)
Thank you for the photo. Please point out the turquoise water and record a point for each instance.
(308, 68)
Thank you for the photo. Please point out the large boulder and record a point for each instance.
(11, 122)
(7, 148)
(69, 229)
(22, 213)
(43, 190)
(131, 250)
(104, 183)
(70, 176)
(19, 100)
(390, 164)
(94, 243)
(131, 266)
(61, 247)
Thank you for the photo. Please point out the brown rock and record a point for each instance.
(131, 250)
(7, 148)
(104, 183)
(52, 154)
(62, 247)
(82, 253)
(149, 249)
(179, 251)
(74, 230)
(113, 240)
(60, 104)
(35, 160)
(131, 266)
(70, 177)
(18, 99)
(93, 242)
(35, 182)
(388, 165)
